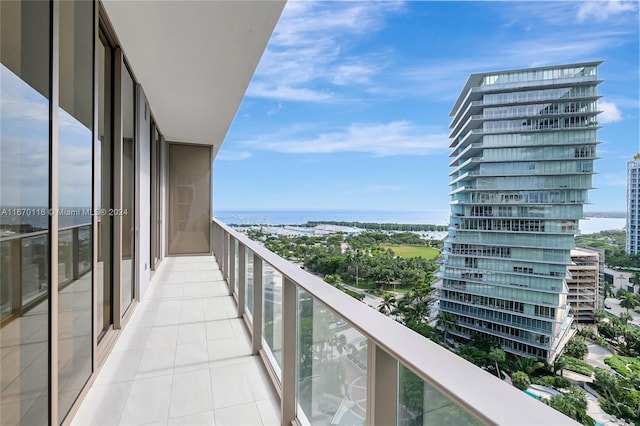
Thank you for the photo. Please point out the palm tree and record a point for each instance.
(599, 314)
(389, 304)
(528, 365)
(560, 363)
(573, 311)
(625, 317)
(447, 321)
(497, 355)
(628, 301)
(608, 289)
(636, 278)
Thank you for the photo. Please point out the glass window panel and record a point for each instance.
(420, 404)
(75, 188)
(24, 194)
(128, 190)
(249, 279)
(332, 366)
(272, 314)
(103, 185)
(236, 266)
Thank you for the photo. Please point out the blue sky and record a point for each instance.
(349, 107)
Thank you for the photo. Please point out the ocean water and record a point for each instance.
(300, 217)
(422, 217)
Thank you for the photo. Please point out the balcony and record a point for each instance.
(249, 338)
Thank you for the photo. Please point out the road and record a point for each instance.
(370, 300)
(616, 309)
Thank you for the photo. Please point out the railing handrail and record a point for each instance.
(43, 232)
(477, 391)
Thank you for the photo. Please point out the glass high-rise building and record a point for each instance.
(523, 143)
(633, 206)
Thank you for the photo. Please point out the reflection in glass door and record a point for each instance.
(155, 196)
(126, 213)
(25, 33)
(103, 185)
(75, 189)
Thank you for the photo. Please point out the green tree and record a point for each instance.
(521, 380)
(389, 304)
(608, 289)
(628, 301)
(573, 404)
(333, 279)
(636, 278)
(576, 347)
(498, 356)
(625, 317)
(599, 314)
(559, 365)
(447, 321)
(528, 365)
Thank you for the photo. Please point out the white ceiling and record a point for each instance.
(194, 59)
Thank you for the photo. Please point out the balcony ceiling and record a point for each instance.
(194, 59)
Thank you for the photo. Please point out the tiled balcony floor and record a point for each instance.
(183, 359)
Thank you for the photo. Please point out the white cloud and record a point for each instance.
(287, 93)
(306, 53)
(610, 112)
(389, 139)
(353, 74)
(601, 10)
(233, 155)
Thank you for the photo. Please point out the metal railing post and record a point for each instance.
(225, 261)
(75, 254)
(232, 265)
(256, 325)
(242, 278)
(15, 269)
(289, 346)
(382, 386)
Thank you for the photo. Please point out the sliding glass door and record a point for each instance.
(103, 160)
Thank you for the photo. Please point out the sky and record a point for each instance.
(349, 106)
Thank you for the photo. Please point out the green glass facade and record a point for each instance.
(523, 144)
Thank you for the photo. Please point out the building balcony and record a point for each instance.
(246, 337)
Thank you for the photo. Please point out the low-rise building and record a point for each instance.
(584, 283)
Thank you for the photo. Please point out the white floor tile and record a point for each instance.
(240, 415)
(190, 393)
(269, 410)
(166, 335)
(231, 386)
(200, 419)
(121, 366)
(191, 356)
(103, 405)
(157, 361)
(219, 329)
(189, 333)
(148, 401)
(183, 359)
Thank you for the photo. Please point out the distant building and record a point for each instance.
(523, 144)
(584, 283)
(619, 280)
(633, 206)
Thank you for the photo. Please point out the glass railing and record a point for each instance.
(335, 360)
(24, 266)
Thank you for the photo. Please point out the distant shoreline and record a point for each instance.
(609, 215)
